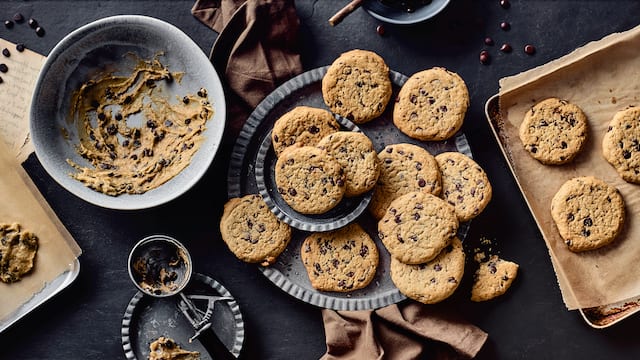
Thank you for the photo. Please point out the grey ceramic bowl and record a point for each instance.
(397, 15)
(105, 41)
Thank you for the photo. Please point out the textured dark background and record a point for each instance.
(529, 322)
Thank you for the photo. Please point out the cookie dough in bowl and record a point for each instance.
(127, 113)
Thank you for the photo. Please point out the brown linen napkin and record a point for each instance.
(256, 50)
(254, 53)
(403, 331)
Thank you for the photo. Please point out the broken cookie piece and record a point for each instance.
(493, 278)
(166, 349)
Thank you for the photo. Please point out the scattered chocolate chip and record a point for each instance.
(8, 24)
(4, 68)
(380, 30)
(505, 4)
(529, 49)
(485, 58)
(506, 48)
(18, 18)
(6, 52)
(40, 31)
(1, 80)
(185, 99)
(488, 41)
(505, 26)
(32, 23)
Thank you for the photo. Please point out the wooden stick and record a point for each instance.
(348, 9)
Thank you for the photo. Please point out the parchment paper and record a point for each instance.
(21, 200)
(602, 78)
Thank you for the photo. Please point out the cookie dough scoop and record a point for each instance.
(160, 266)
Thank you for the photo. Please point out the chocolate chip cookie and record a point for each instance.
(588, 212)
(341, 260)
(493, 278)
(18, 250)
(417, 226)
(357, 86)
(300, 126)
(252, 232)
(309, 179)
(554, 131)
(433, 281)
(465, 184)
(431, 105)
(404, 168)
(621, 144)
(357, 156)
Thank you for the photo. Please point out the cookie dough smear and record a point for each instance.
(134, 137)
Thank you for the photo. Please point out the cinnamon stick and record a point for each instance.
(348, 9)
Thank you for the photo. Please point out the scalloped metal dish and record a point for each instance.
(288, 273)
(344, 213)
(146, 319)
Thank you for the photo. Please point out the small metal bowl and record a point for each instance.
(160, 266)
(397, 15)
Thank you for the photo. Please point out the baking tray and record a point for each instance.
(288, 273)
(147, 318)
(597, 317)
(50, 289)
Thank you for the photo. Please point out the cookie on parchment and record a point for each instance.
(621, 144)
(18, 250)
(300, 126)
(357, 156)
(588, 212)
(434, 281)
(465, 184)
(493, 278)
(252, 232)
(341, 260)
(357, 86)
(417, 226)
(309, 180)
(404, 168)
(431, 105)
(554, 131)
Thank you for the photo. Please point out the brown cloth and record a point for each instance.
(256, 50)
(405, 331)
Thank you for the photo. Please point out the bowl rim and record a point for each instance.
(133, 201)
(418, 19)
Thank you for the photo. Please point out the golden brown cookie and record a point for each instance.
(493, 278)
(309, 180)
(404, 168)
(252, 232)
(432, 281)
(417, 226)
(431, 105)
(588, 212)
(554, 131)
(18, 250)
(621, 144)
(357, 86)
(341, 260)
(165, 348)
(465, 184)
(302, 125)
(357, 156)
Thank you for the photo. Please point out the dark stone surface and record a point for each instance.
(529, 322)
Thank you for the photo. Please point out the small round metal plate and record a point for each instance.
(148, 318)
(344, 213)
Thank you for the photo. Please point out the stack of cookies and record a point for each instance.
(418, 199)
(588, 212)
